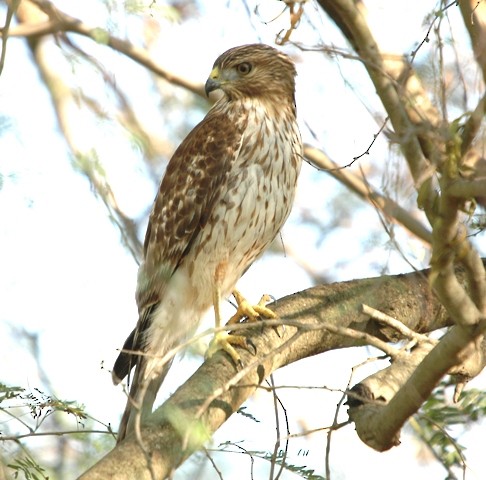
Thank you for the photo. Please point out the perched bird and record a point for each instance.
(225, 195)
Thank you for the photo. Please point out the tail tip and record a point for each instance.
(115, 378)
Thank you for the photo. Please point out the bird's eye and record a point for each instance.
(244, 68)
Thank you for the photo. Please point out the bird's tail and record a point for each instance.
(143, 391)
(151, 369)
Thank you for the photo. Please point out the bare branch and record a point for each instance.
(402, 329)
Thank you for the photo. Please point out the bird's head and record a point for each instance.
(254, 70)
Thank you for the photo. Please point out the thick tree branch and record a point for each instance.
(188, 418)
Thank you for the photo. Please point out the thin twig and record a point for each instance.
(393, 323)
(276, 403)
(213, 463)
(5, 438)
(426, 39)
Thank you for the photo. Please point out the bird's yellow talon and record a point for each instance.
(225, 341)
(265, 312)
(252, 312)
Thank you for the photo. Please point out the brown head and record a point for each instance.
(254, 70)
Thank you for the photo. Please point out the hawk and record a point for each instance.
(225, 195)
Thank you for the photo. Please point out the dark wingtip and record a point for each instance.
(125, 361)
(121, 368)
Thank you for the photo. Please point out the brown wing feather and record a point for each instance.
(186, 196)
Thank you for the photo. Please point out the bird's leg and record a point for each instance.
(223, 340)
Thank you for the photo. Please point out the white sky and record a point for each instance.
(64, 274)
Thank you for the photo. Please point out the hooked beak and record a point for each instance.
(212, 82)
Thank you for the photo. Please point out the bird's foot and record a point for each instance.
(252, 312)
(227, 341)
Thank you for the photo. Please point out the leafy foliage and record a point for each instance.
(280, 459)
(30, 412)
(29, 467)
(39, 404)
(439, 417)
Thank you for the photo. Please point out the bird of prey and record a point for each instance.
(226, 193)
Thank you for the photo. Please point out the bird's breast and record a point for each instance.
(255, 200)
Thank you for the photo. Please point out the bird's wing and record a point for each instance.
(188, 191)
